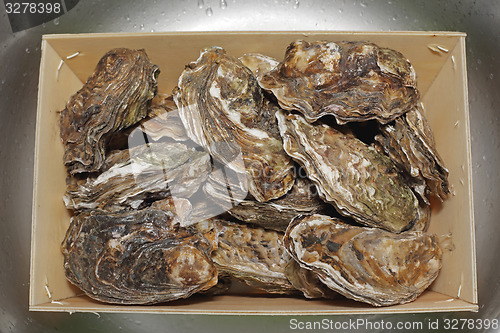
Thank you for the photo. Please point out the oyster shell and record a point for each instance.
(258, 63)
(253, 255)
(366, 264)
(141, 174)
(136, 257)
(353, 81)
(354, 177)
(276, 214)
(163, 120)
(114, 97)
(409, 142)
(223, 110)
(307, 281)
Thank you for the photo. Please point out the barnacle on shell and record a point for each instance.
(366, 264)
(114, 97)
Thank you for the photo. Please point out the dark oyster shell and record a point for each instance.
(409, 142)
(366, 264)
(223, 110)
(136, 257)
(352, 81)
(359, 181)
(276, 214)
(163, 120)
(140, 174)
(114, 97)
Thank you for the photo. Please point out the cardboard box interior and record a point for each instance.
(442, 83)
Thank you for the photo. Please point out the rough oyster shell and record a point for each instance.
(163, 120)
(409, 142)
(366, 264)
(223, 110)
(114, 97)
(352, 81)
(276, 214)
(307, 281)
(253, 255)
(140, 174)
(358, 180)
(136, 258)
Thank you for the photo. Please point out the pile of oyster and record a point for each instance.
(310, 176)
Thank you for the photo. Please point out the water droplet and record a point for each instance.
(201, 4)
(127, 18)
(152, 30)
(184, 11)
(141, 26)
(395, 17)
(341, 10)
(162, 13)
(223, 4)
(479, 61)
(27, 50)
(296, 4)
(491, 76)
(209, 11)
(56, 21)
(362, 4)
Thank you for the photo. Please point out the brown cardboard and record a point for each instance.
(443, 86)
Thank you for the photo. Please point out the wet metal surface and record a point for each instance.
(19, 62)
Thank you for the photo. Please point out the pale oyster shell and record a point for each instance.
(258, 63)
(353, 81)
(409, 142)
(366, 264)
(114, 97)
(136, 257)
(140, 174)
(223, 110)
(307, 281)
(163, 120)
(354, 177)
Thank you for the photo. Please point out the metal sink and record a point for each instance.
(19, 62)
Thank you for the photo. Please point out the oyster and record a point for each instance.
(163, 120)
(136, 257)
(359, 181)
(223, 110)
(353, 81)
(276, 214)
(114, 97)
(307, 281)
(253, 255)
(409, 142)
(366, 264)
(258, 63)
(141, 174)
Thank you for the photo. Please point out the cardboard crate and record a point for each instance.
(442, 83)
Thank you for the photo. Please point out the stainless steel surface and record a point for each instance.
(19, 61)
